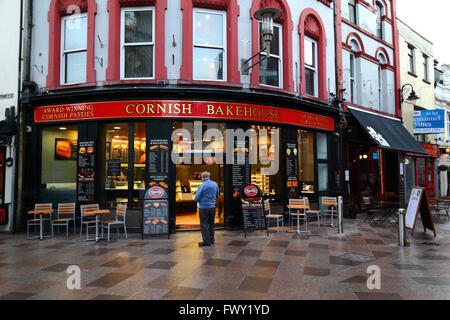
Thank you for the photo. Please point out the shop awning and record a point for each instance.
(387, 133)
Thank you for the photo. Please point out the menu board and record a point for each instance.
(240, 172)
(86, 171)
(291, 156)
(114, 168)
(155, 215)
(418, 202)
(159, 156)
(253, 215)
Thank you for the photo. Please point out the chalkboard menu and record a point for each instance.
(159, 156)
(155, 215)
(419, 202)
(86, 171)
(240, 172)
(291, 156)
(253, 215)
(114, 168)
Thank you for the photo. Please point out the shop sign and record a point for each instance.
(155, 215)
(184, 109)
(429, 121)
(253, 215)
(378, 137)
(432, 150)
(3, 215)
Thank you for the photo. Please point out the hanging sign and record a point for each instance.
(429, 121)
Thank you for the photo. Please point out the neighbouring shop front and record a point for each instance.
(137, 143)
(377, 167)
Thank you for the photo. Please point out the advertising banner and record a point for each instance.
(429, 121)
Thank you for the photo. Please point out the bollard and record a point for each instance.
(340, 216)
(401, 227)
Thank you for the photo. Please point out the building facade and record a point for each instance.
(374, 139)
(127, 81)
(442, 96)
(417, 72)
(10, 22)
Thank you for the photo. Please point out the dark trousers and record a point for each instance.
(207, 222)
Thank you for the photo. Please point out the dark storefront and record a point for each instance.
(376, 158)
(128, 135)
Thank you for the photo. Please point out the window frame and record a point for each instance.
(425, 63)
(411, 59)
(315, 68)
(279, 57)
(224, 45)
(352, 9)
(380, 89)
(64, 52)
(352, 77)
(123, 45)
(380, 26)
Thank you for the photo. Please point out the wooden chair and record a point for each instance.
(269, 216)
(331, 204)
(88, 221)
(308, 211)
(65, 215)
(121, 211)
(35, 220)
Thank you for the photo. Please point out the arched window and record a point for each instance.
(279, 67)
(136, 41)
(71, 43)
(380, 15)
(355, 71)
(313, 55)
(210, 41)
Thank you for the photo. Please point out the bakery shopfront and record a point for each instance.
(135, 144)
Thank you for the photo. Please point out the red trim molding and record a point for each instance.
(366, 5)
(232, 8)
(288, 27)
(367, 33)
(114, 6)
(326, 2)
(395, 37)
(347, 104)
(340, 68)
(385, 53)
(312, 26)
(58, 8)
(358, 38)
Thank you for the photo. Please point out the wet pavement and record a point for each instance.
(284, 266)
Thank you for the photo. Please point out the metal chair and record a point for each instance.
(443, 205)
(88, 221)
(269, 216)
(331, 203)
(65, 210)
(373, 213)
(121, 211)
(35, 221)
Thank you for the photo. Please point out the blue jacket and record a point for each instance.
(206, 195)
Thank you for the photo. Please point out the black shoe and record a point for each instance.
(203, 244)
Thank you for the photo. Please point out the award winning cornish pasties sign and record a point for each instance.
(186, 109)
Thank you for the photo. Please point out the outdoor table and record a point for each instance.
(298, 208)
(40, 213)
(96, 213)
(388, 209)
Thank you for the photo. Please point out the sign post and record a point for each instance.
(252, 204)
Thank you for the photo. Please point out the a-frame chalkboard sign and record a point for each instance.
(155, 213)
(419, 202)
(253, 214)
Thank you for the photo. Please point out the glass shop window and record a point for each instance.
(116, 156)
(59, 164)
(306, 161)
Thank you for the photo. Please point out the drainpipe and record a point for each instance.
(21, 115)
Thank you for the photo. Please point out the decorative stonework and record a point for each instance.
(64, 5)
(211, 4)
(312, 27)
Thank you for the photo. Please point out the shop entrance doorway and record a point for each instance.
(188, 173)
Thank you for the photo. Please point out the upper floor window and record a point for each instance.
(352, 11)
(270, 70)
(352, 78)
(137, 43)
(380, 14)
(411, 67)
(210, 39)
(426, 76)
(311, 67)
(74, 49)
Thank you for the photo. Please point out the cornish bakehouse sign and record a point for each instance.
(185, 109)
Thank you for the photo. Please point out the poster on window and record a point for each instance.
(291, 166)
(65, 149)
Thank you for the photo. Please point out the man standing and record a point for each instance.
(206, 198)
